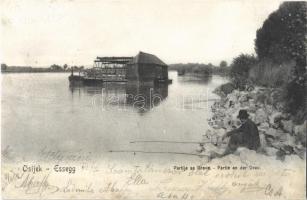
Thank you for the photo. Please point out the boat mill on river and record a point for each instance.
(144, 68)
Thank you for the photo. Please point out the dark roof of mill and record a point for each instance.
(146, 58)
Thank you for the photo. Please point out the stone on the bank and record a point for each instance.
(263, 142)
(279, 106)
(252, 116)
(212, 150)
(231, 100)
(274, 143)
(279, 137)
(243, 97)
(219, 132)
(269, 109)
(260, 117)
(292, 159)
(264, 125)
(253, 95)
(286, 116)
(272, 132)
(219, 124)
(232, 97)
(200, 149)
(211, 136)
(289, 140)
(301, 152)
(252, 157)
(275, 117)
(271, 151)
(252, 106)
(300, 132)
(287, 125)
(206, 137)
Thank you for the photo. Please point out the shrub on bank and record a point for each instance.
(268, 74)
(240, 66)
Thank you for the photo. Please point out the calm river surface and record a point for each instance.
(42, 112)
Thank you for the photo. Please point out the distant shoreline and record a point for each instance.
(28, 69)
(20, 72)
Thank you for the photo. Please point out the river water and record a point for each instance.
(41, 112)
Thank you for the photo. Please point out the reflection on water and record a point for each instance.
(142, 98)
(195, 79)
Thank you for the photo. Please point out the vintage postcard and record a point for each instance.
(153, 99)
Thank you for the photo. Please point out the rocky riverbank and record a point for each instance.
(280, 136)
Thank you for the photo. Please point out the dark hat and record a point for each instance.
(243, 114)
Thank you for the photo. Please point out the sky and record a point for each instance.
(74, 32)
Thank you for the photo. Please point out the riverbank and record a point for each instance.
(32, 70)
(281, 138)
(29, 69)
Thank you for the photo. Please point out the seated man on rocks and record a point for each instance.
(246, 135)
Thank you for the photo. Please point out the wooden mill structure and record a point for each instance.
(108, 69)
(143, 67)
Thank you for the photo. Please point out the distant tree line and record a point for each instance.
(201, 68)
(191, 67)
(29, 69)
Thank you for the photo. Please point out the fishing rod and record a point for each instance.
(178, 142)
(157, 152)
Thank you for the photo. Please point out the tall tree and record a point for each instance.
(223, 64)
(283, 35)
(282, 38)
(55, 67)
(3, 66)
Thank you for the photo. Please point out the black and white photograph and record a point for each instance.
(153, 99)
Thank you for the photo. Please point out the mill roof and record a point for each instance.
(146, 58)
